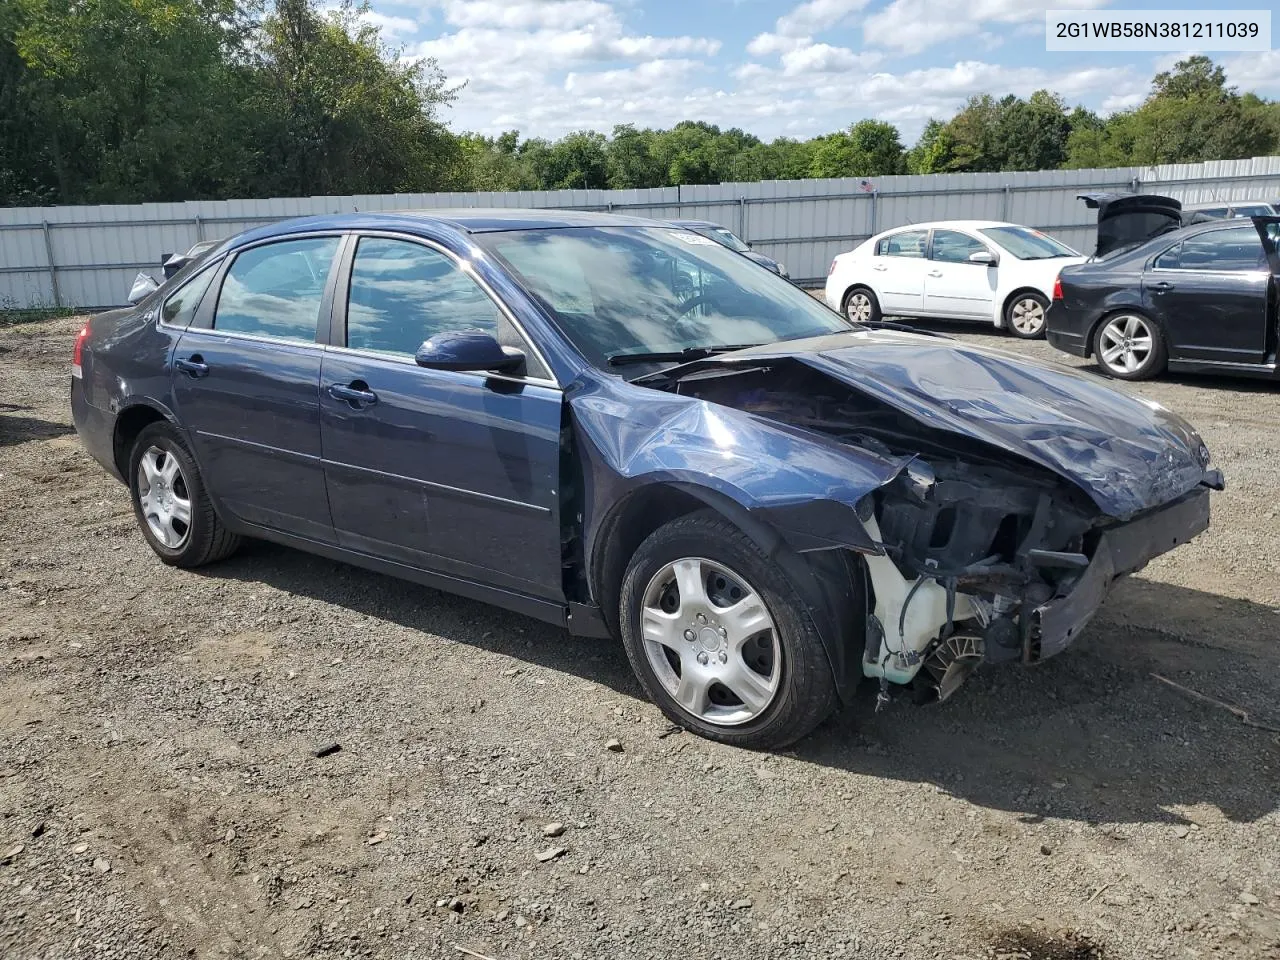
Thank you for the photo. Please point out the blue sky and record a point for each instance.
(772, 67)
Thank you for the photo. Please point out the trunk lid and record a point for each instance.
(1128, 219)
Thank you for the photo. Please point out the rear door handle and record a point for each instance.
(356, 394)
(879, 266)
(1160, 286)
(195, 367)
(935, 273)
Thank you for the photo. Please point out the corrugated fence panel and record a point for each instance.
(97, 250)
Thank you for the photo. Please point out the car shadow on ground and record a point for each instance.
(1089, 735)
(16, 429)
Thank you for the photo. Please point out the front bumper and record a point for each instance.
(1121, 549)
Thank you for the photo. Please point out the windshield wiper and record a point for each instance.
(676, 356)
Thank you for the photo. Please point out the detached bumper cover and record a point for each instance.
(1122, 549)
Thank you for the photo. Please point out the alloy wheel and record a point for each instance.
(1028, 316)
(163, 495)
(858, 308)
(711, 641)
(1125, 343)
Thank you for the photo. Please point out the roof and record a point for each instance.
(460, 219)
(944, 224)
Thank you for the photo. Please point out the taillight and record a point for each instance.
(78, 353)
(831, 269)
(1057, 287)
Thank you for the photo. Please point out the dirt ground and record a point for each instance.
(160, 795)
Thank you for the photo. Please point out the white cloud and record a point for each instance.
(910, 26)
(817, 15)
(1259, 72)
(823, 58)
(394, 29)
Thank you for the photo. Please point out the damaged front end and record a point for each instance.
(978, 553)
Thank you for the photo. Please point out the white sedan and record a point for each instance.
(1001, 273)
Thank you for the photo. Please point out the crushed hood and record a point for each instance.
(1128, 454)
(1127, 219)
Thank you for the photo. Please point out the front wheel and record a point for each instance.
(1024, 316)
(719, 639)
(170, 502)
(1129, 346)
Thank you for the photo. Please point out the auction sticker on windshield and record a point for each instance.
(696, 238)
(1175, 31)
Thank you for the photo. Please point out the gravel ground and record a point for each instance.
(161, 797)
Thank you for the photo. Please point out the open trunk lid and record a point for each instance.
(1128, 219)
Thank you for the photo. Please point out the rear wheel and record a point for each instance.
(861, 306)
(1130, 346)
(1024, 315)
(170, 502)
(719, 639)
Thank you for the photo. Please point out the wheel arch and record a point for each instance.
(849, 291)
(131, 421)
(1002, 318)
(1091, 337)
(828, 581)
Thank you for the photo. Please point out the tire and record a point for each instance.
(1024, 315)
(861, 301)
(172, 508)
(761, 682)
(1130, 346)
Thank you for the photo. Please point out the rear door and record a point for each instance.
(953, 286)
(898, 267)
(1210, 293)
(454, 472)
(246, 377)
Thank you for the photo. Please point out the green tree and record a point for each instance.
(934, 151)
(868, 148)
(339, 113)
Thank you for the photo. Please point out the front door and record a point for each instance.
(246, 378)
(954, 286)
(454, 472)
(897, 272)
(1210, 294)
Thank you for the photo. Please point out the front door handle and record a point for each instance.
(357, 394)
(1160, 286)
(194, 367)
(935, 273)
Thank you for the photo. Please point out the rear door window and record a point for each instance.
(909, 243)
(276, 290)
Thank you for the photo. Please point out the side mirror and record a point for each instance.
(983, 256)
(468, 350)
(143, 285)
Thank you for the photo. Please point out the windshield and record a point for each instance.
(618, 290)
(1027, 244)
(728, 239)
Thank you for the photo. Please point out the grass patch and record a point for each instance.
(13, 317)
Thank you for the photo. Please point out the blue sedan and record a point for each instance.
(632, 431)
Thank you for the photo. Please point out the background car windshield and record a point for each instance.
(729, 240)
(1027, 244)
(1253, 210)
(617, 290)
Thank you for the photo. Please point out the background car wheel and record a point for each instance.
(719, 639)
(1024, 315)
(861, 306)
(170, 502)
(1130, 346)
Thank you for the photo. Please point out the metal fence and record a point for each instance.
(87, 256)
